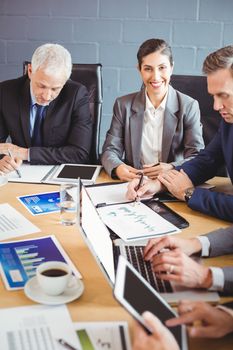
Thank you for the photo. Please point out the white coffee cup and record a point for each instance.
(53, 277)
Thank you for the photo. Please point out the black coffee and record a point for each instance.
(54, 273)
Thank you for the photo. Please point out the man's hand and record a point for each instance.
(8, 164)
(176, 182)
(16, 151)
(156, 245)
(176, 266)
(153, 171)
(148, 187)
(160, 339)
(213, 322)
(126, 172)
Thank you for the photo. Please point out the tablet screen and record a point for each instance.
(75, 171)
(143, 299)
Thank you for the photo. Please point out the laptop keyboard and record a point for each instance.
(135, 257)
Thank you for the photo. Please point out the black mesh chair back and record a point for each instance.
(89, 75)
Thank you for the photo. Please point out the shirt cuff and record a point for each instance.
(217, 279)
(226, 309)
(205, 245)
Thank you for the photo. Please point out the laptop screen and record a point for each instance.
(96, 235)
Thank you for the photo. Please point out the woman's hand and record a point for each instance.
(126, 172)
(152, 171)
(148, 187)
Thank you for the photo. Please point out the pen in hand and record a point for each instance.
(138, 186)
(17, 170)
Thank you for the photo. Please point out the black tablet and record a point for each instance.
(137, 296)
(71, 172)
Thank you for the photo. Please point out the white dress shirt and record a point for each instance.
(152, 133)
(217, 272)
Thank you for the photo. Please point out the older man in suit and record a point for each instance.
(45, 114)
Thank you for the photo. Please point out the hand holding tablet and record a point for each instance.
(137, 296)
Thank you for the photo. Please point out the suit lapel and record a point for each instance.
(24, 106)
(170, 123)
(136, 127)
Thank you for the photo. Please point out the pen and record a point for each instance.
(17, 170)
(155, 164)
(66, 345)
(137, 199)
(140, 182)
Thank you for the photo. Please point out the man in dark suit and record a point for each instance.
(45, 114)
(181, 182)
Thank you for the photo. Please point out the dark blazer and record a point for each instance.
(67, 127)
(221, 243)
(204, 166)
(182, 130)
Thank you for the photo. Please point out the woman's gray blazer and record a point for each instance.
(182, 130)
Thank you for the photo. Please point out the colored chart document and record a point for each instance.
(36, 327)
(103, 335)
(41, 203)
(19, 259)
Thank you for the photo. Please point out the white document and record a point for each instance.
(132, 221)
(110, 194)
(103, 335)
(14, 224)
(36, 327)
(32, 173)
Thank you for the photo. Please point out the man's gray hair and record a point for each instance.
(220, 59)
(52, 59)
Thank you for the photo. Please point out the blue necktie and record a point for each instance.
(37, 130)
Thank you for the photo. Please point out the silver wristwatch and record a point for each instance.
(188, 193)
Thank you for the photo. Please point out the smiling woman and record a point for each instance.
(156, 125)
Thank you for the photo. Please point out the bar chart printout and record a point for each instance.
(19, 259)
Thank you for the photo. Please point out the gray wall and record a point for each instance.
(110, 32)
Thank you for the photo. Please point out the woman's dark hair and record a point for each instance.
(152, 45)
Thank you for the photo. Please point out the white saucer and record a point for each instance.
(3, 180)
(35, 293)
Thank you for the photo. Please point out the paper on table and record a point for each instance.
(101, 335)
(31, 173)
(36, 327)
(109, 194)
(135, 221)
(14, 224)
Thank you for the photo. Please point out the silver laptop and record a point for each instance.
(106, 252)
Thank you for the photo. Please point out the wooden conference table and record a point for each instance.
(97, 302)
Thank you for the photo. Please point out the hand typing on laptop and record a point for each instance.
(175, 265)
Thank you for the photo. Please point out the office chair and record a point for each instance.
(196, 87)
(89, 75)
